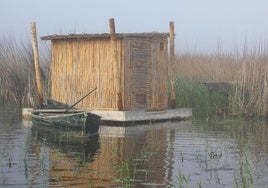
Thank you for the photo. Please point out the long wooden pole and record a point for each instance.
(117, 67)
(79, 101)
(36, 65)
(171, 63)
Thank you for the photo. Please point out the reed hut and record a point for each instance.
(129, 70)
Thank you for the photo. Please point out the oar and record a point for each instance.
(79, 101)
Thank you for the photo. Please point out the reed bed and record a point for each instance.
(247, 72)
(17, 85)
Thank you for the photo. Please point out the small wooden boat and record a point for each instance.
(56, 115)
(75, 120)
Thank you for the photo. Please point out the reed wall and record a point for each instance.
(78, 66)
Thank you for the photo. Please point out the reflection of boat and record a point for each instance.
(68, 142)
(85, 122)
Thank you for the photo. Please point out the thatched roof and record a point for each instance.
(105, 36)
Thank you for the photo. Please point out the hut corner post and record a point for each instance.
(171, 65)
(36, 65)
(117, 68)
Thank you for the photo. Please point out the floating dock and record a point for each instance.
(133, 117)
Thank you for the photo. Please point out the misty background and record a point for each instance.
(205, 26)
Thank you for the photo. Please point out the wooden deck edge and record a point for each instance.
(130, 117)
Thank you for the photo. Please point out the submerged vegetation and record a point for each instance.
(247, 73)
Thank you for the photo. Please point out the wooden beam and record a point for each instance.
(171, 63)
(112, 29)
(117, 67)
(36, 65)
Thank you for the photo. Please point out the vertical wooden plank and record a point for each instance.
(171, 69)
(122, 55)
(36, 65)
(117, 68)
(127, 82)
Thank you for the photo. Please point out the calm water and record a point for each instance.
(193, 153)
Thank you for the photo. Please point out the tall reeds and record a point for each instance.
(246, 71)
(251, 91)
(16, 72)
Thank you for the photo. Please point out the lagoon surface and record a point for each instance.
(192, 153)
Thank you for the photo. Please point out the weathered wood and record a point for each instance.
(172, 68)
(140, 74)
(224, 86)
(36, 64)
(79, 100)
(103, 36)
(81, 121)
(117, 67)
(79, 65)
(141, 115)
(44, 110)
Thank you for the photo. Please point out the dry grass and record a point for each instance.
(252, 88)
(247, 71)
(208, 67)
(16, 72)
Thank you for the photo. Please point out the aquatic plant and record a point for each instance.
(205, 102)
(130, 168)
(182, 179)
(245, 178)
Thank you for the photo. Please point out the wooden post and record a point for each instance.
(117, 67)
(171, 63)
(36, 65)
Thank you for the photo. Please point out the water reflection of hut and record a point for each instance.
(148, 162)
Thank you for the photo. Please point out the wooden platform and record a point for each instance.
(129, 117)
(218, 85)
(143, 116)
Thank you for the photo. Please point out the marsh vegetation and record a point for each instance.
(17, 86)
(246, 71)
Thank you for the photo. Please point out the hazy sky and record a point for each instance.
(200, 25)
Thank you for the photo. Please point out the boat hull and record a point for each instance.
(85, 122)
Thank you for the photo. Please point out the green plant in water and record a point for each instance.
(125, 177)
(200, 184)
(245, 180)
(205, 102)
(182, 179)
(129, 168)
